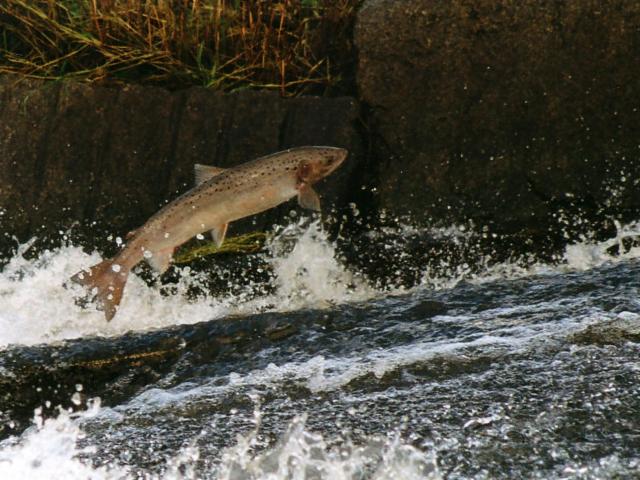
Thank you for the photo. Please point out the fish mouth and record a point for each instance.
(342, 155)
(320, 162)
(339, 155)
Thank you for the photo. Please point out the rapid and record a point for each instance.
(511, 370)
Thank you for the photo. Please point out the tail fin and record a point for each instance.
(106, 281)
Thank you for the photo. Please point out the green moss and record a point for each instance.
(242, 244)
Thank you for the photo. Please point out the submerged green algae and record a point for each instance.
(241, 244)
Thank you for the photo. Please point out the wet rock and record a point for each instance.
(24, 106)
(428, 309)
(108, 158)
(114, 369)
(510, 114)
(614, 332)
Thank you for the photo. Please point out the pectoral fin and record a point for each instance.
(160, 261)
(308, 198)
(205, 172)
(219, 233)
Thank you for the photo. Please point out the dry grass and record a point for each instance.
(291, 45)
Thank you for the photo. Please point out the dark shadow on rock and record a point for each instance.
(509, 114)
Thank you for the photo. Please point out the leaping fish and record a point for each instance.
(219, 197)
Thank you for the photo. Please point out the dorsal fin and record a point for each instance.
(205, 172)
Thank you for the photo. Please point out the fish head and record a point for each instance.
(319, 162)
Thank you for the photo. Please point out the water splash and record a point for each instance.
(583, 255)
(37, 302)
(300, 454)
(588, 254)
(51, 450)
(307, 272)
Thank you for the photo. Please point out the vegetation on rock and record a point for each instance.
(248, 243)
(293, 46)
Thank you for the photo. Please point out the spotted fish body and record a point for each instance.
(220, 197)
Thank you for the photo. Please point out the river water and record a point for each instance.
(507, 372)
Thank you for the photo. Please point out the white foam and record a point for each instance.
(49, 451)
(37, 301)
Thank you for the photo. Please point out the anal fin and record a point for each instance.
(161, 260)
(218, 233)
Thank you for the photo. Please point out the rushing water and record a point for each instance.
(512, 372)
